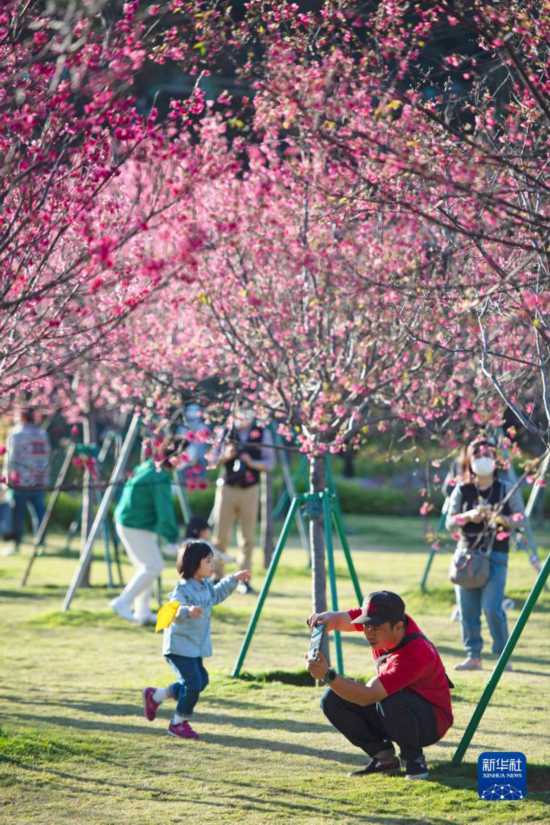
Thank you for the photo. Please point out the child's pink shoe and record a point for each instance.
(150, 707)
(182, 730)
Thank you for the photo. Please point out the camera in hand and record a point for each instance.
(235, 466)
(315, 642)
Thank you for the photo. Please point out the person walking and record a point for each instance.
(483, 513)
(27, 470)
(145, 514)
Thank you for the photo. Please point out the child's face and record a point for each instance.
(205, 568)
(204, 535)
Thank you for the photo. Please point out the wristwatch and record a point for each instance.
(329, 676)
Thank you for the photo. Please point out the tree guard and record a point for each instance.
(325, 505)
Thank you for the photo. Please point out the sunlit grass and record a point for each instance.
(75, 748)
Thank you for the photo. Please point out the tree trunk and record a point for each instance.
(349, 464)
(89, 431)
(317, 544)
(266, 505)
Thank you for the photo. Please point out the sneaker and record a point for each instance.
(416, 768)
(150, 707)
(469, 664)
(182, 730)
(122, 610)
(376, 766)
(245, 589)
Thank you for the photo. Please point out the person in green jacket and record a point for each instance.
(145, 514)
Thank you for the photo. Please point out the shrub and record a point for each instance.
(353, 497)
(66, 510)
(200, 501)
(376, 500)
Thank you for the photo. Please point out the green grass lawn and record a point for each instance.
(75, 747)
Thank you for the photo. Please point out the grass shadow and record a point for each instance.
(300, 678)
(110, 709)
(228, 740)
(80, 618)
(462, 777)
(24, 594)
(250, 801)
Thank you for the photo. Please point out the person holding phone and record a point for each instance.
(483, 510)
(408, 702)
(243, 454)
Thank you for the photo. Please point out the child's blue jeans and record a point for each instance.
(192, 680)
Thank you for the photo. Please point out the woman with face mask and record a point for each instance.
(472, 512)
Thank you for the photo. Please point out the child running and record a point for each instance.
(187, 640)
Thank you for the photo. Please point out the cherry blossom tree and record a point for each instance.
(375, 248)
(69, 127)
(291, 303)
(352, 252)
(467, 166)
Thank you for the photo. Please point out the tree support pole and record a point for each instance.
(339, 525)
(322, 506)
(502, 662)
(432, 553)
(265, 587)
(336, 516)
(290, 493)
(103, 508)
(327, 519)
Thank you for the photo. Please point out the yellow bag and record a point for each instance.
(166, 615)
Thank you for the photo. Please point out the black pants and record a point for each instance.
(404, 717)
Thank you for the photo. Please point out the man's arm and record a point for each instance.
(374, 691)
(363, 695)
(333, 621)
(267, 461)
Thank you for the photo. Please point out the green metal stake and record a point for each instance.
(427, 569)
(432, 553)
(281, 504)
(266, 585)
(502, 662)
(339, 525)
(327, 523)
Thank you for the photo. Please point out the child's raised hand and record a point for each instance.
(243, 576)
(194, 611)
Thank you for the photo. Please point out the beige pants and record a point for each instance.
(236, 504)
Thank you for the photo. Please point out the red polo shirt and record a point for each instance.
(418, 667)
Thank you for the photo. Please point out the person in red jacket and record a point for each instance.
(408, 702)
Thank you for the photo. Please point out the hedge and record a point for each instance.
(354, 498)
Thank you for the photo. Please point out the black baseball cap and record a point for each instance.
(381, 606)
